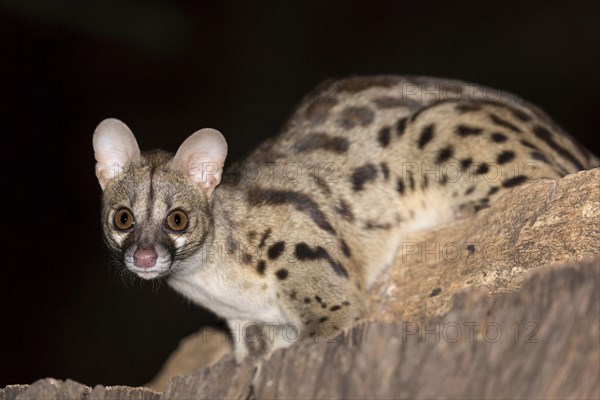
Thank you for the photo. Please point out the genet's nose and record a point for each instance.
(144, 257)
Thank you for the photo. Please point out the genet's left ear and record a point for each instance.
(201, 157)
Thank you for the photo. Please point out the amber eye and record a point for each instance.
(124, 219)
(177, 221)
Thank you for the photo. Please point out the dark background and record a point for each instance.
(169, 68)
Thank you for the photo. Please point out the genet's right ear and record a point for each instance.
(114, 146)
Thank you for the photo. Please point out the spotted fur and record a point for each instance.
(378, 157)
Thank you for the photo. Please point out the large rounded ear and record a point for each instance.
(201, 157)
(114, 146)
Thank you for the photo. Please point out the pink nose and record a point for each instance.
(144, 257)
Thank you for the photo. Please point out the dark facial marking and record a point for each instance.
(300, 201)
(362, 175)
(282, 274)
(515, 181)
(546, 136)
(351, 117)
(385, 170)
(435, 292)
(322, 141)
(383, 137)
(445, 154)
(304, 252)
(504, 123)
(464, 131)
(276, 250)
(499, 137)
(426, 136)
(401, 126)
(505, 157)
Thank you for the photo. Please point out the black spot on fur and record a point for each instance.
(411, 181)
(499, 137)
(469, 190)
(464, 130)
(445, 154)
(355, 116)
(536, 155)
(345, 303)
(276, 250)
(282, 274)
(530, 145)
(335, 308)
(300, 201)
(435, 292)
(471, 248)
(246, 258)
(546, 136)
(264, 237)
(362, 175)
(261, 267)
(307, 300)
(323, 319)
(345, 211)
(504, 123)
(322, 141)
(345, 248)
(400, 186)
(384, 137)
(401, 126)
(426, 136)
(372, 226)
(515, 181)
(385, 170)
(493, 190)
(466, 163)
(424, 182)
(482, 169)
(304, 252)
(505, 157)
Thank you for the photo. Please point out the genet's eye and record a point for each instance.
(124, 219)
(177, 221)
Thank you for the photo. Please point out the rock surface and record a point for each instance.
(540, 342)
(548, 332)
(539, 224)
